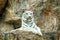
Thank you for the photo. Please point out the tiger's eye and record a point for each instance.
(30, 13)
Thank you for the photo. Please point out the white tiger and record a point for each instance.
(28, 23)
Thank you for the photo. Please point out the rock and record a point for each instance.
(3, 3)
(2, 36)
(5, 27)
(26, 35)
(11, 17)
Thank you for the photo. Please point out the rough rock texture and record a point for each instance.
(11, 17)
(25, 35)
(2, 5)
(47, 17)
(5, 27)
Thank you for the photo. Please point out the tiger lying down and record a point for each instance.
(28, 23)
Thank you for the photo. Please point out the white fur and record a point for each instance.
(31, 26)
